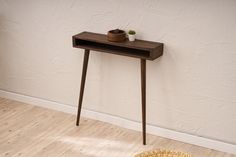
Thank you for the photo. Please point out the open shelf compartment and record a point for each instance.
(114, 49)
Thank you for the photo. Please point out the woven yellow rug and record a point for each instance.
(162, 153)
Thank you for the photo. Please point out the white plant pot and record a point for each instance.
(131, 37)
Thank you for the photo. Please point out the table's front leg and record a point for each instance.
(143, 91)
(83, 78)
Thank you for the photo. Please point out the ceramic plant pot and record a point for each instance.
(131, 37)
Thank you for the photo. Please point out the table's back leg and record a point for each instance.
(143, 90)
(83, 78)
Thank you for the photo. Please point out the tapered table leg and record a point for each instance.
(83, 78)
(143, 90)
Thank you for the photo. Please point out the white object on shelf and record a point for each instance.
(131, 37)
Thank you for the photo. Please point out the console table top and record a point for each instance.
(139, 48)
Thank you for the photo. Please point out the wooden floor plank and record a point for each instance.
(30, 131)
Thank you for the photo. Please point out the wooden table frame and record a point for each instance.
(145, 50)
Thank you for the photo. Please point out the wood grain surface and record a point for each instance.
(30, 131)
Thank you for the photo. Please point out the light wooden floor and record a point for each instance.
(31, 131)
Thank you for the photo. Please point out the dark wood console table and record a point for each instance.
(144, 50)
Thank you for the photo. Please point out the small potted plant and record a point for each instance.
(131, 35)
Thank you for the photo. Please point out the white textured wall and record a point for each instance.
(192, 88)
